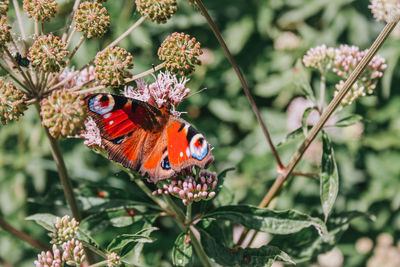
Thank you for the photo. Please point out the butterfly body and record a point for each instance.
(147, 139)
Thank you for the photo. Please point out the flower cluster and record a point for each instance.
(113, 260)
(39, 9)
(342, 61)
(346, 59)
(66, 230)
(4, 7)
(63, 113)
(112, 65)
(320, 58)
(84, 76)
(5, 35)
(386, 10)
(180, 53)
(91, 134)
(48, 52)
(190, 189)
(49, 259)
(92, 19)
(157, 10)
(12, 102)
(385, 253)
(74, 253)
(167, 88)
(287, 41)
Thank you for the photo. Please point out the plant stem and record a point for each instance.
(64, 179)
(147, 191)
(198, 248)
(188, 213)
(242, 81)
(147, 72)
(327, 113)
(126, 33)
(322, 89)
(15, 78)
(21, 235)
(20, 24)
(69, 21)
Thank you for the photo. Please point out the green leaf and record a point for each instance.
(266, 220)
(292, 135)
(118, 217)
(83, 236)
(263, 256)
(124, 243)
(307, 244)
(45, 220)
(182, 251)
(329, 178)
(349, 120)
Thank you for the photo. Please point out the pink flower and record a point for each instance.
(167, 88)
(91, 134)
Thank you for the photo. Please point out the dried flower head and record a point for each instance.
(180, 53)
(49, 259)
(66, 229)
(74, 253)
(346, 59)
(12, 102)
(167, 88)
(92, 19)
(5, 35)
(4, 7)
(39, 9)
(63, 113)
(113, 260)
(112, 65)
(48, 52)
(386, 10)
(190, 189)
(157, 10)
(319, 58)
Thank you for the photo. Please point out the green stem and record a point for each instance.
(147, 191)
(188, 213)
(322, 89)
(242, 81)
(198, 248)
(180, 216)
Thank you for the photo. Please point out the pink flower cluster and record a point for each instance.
(167, 88)
(49, 259)
(191, 189)
(73, 252)
(91, 134)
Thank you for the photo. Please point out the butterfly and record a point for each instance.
(147, 139)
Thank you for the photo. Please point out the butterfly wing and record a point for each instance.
(125, 125)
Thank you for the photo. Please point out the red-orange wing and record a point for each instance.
(124, 125)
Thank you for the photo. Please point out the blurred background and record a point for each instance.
(267, 38)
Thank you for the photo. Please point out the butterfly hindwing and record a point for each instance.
(186, 146)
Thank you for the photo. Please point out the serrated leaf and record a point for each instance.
(306, 244)
(266, 220)
(46, 220)
(182, 250)
(263, 256)
(124, 243)
(349, 120)
(329, 178)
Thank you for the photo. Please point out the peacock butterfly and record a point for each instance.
(147, 139)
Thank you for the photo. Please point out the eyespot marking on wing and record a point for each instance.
(198, 147)
(101, 104)
(165, 163)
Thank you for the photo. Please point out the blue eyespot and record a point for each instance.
(198, 147)
(101, 104)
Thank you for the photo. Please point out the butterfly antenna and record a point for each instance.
(198, 92)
